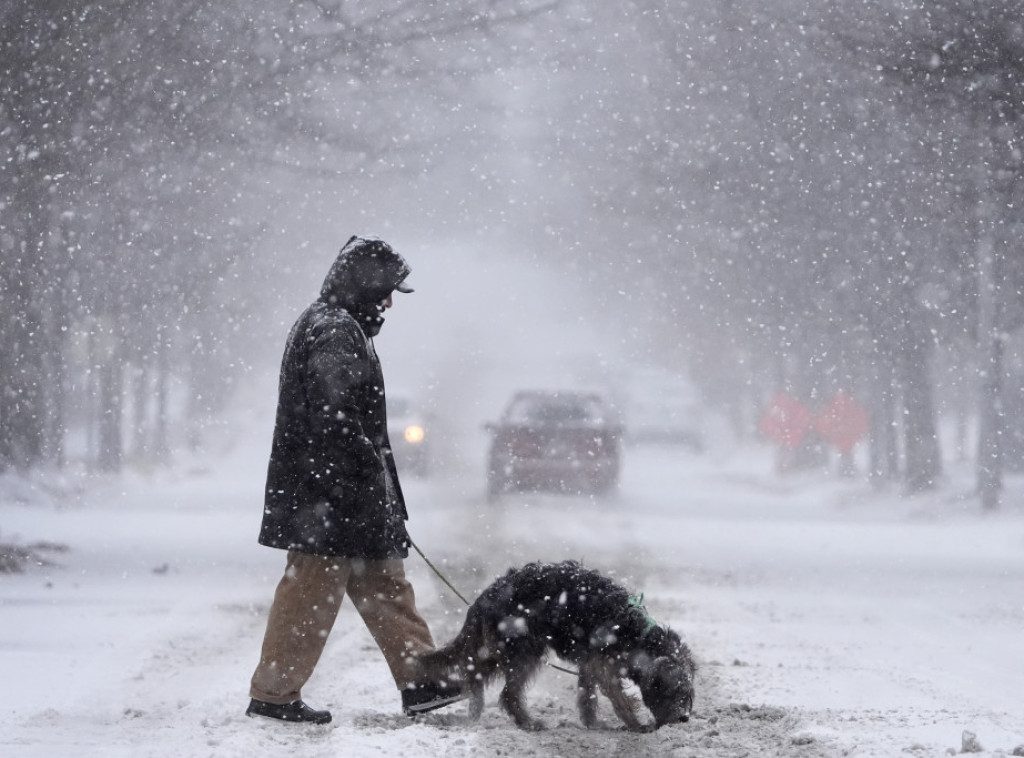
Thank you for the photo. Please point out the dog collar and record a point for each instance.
(637, 601)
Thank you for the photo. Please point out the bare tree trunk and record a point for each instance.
(91, 403)
(990, 448)
(111, 413)
(53, 340)
(56, 393)
(921, 438)
(161, 435)
(963, 405)
(140, 406)
(21, 402)
(990, 457)
(883, 450)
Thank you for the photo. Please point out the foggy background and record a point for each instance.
(759, 197)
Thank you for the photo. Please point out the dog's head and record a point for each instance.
(667, 691)
(666, 680)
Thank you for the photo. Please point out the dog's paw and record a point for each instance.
(640, 728)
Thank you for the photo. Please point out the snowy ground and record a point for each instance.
(827, 621)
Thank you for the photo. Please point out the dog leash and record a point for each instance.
(458, 594)
(440, 576)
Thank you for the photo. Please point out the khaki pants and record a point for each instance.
(305, 606)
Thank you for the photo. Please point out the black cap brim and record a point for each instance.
(404, 288)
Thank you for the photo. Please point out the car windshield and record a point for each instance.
(555, 410)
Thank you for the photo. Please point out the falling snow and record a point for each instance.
(781, 238)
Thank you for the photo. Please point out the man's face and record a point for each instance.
(386, 302)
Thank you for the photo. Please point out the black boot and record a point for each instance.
(295, 711)
(430, 696)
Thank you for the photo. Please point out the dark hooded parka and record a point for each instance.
(332, 486)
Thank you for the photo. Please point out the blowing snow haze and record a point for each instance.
(736, 216)
(799, 198)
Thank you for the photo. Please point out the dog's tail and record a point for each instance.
(457, 659)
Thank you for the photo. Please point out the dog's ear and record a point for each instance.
(662, 664)
(672, 638)
(643, 667)
(661, 640)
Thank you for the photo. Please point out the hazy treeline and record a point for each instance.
(132, 135)
(817, 196)
(796, 195)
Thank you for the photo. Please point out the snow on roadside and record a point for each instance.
(827, 620)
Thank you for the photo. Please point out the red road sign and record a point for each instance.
(786, 421)
(843, 422)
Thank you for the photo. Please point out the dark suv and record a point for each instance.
(555, 441)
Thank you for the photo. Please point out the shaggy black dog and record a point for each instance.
(584, 618)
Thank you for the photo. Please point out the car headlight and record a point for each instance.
(414, 434)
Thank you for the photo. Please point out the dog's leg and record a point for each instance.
(477, 676)
(586, 695)
(476, 697)
(609, 679)
(518, 672)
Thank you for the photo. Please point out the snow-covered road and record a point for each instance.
(827, 620)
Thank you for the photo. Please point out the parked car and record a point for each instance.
(660, 407)
(555, 441)
(409, 432)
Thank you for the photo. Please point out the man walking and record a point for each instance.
(333, 499)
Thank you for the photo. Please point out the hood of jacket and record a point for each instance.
(365, 272)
